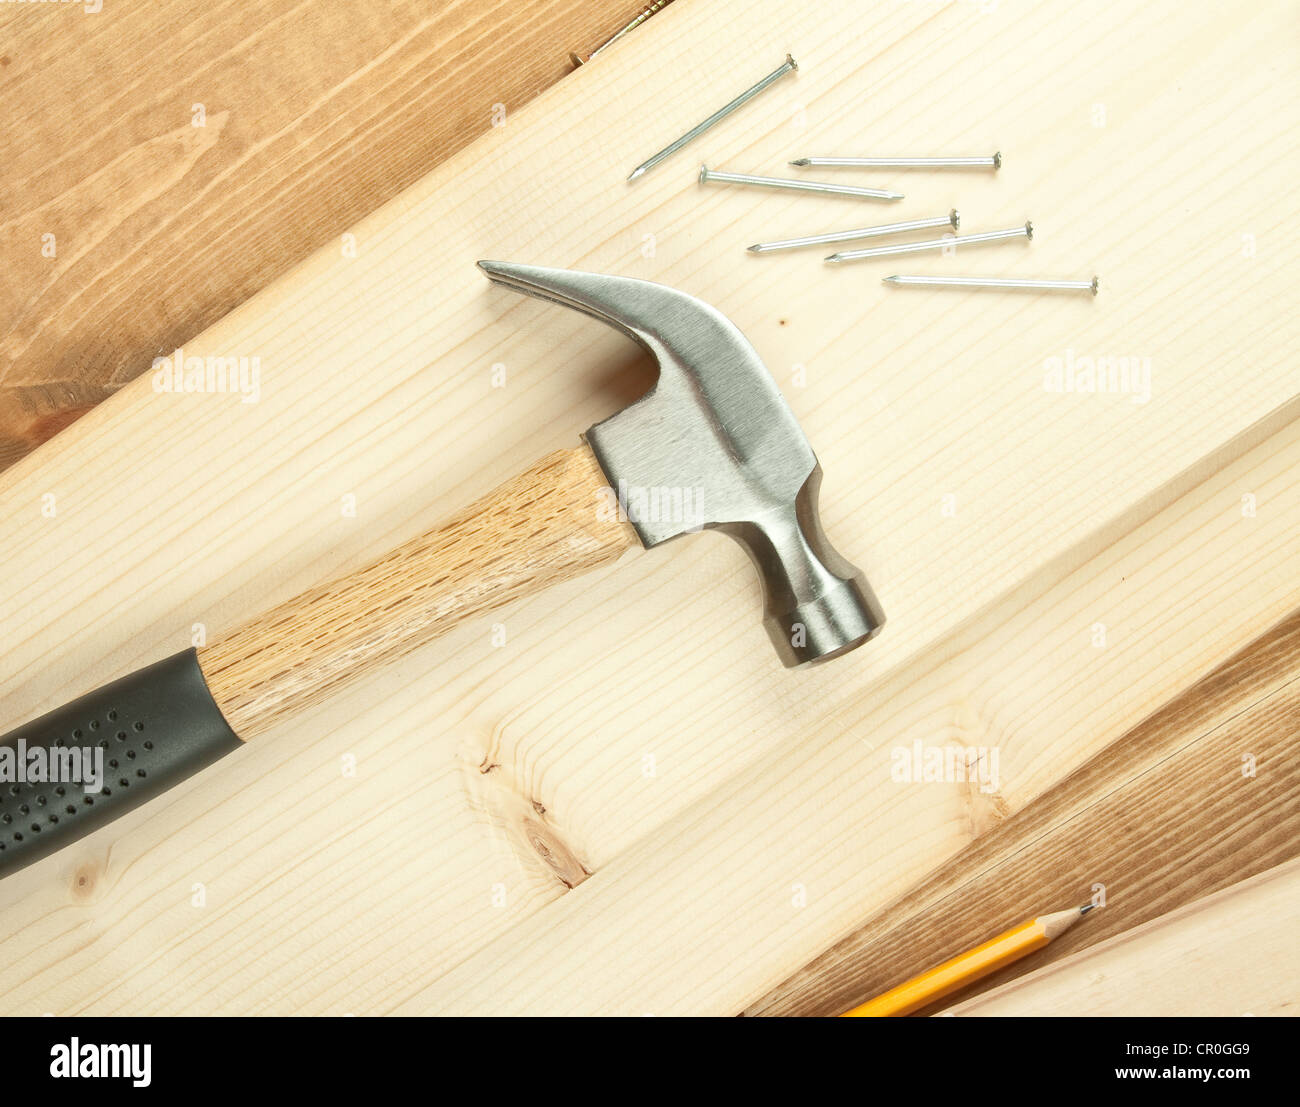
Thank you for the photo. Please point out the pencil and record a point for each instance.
(971, 965)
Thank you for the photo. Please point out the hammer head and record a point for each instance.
(714, 445)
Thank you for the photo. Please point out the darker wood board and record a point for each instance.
(1164, 816)
(313, 115)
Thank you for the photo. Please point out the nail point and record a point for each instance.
(800, 161)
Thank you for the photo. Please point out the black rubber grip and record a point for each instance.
(152, 728)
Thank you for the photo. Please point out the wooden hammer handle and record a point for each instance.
(546, 525)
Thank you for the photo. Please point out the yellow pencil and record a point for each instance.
(971, 965)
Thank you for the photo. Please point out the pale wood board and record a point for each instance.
(798, 848)
(331, 893)
(1230, 954)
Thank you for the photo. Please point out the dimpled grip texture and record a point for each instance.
(156, 726)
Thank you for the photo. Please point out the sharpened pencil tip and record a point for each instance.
(1086, 908)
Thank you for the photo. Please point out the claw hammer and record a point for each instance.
(711, 445)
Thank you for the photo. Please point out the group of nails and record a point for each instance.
(951, 220)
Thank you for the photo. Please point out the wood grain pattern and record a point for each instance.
(612, 811)
(313, 116)
(824, 833)
(1162, 817)
(550, 523)
(1228, 955)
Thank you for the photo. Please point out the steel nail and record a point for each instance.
(994, 162)
(788, 66)
(992, 282)
(952, 219)
(712, 176)
(1027, 231)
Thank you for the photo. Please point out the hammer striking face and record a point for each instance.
(714, 425)
(715, 435)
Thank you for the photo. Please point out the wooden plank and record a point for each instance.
(314, 115)
(1155, 838)
(821, 835)
(1231, 954)
(634, 739)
